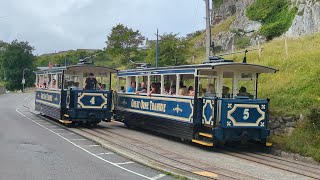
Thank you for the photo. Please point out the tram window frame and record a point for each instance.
(154, 79)
(203, 91)
(247, 77)
(171, 78)
(119, 84)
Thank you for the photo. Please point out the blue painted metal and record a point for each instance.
(174, 108)
(242, 119)
(156, 72)
(86, 103)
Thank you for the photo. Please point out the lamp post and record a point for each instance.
(23, 79)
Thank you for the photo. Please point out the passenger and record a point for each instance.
(91, 83)
(243, 92)
(172, 90)
(211, 91)
(132, 88)
(201, 90)
(142, 88)
(122, 89)
(225, 92)
(153, 89)
(54, 84)
(191, 91)
(167, 89)
(183, 91)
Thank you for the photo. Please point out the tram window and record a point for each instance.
(246, 85)
(142, 84)
(186, 85)
(121, 84)
(207, 87)
(155, 84)
(169, 84)
(227, 88)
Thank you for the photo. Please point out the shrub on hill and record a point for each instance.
(275, 15)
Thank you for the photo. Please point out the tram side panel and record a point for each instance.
(90, 105)
(48, 102)
(168, 115)
(242, 119)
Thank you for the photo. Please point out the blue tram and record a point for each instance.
(206, 103)
(60, 93)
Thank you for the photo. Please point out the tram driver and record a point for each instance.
(91, 83)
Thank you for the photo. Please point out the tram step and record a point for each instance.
(207, 126)
(204, 143)
(65, 121)
(207, 135)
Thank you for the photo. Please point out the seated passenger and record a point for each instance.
(122, 89)
(132, 88)
(142, 88)
(91, 83)
(166, 89)
(153, 89)
(243, 92)
(183, 91)
(191, 91)
(172, 90)
(211, 91)
(225, 92)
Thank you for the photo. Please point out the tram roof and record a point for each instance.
(90, 68)
(85, 68)
(190, 69)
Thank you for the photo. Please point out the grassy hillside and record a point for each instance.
(295, 88)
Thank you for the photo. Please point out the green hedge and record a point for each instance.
(275, 15)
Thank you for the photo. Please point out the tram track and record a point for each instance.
(286, 165)
(300, 168)
(190, 165)
(142, 148)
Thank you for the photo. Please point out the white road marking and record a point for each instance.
(59, 129)
(78, 139)
(104, 153)
(65, 133)
(26, 98)
(92, 145)
(158, 176)
(129, 162)
(51, 126)
(114, 164)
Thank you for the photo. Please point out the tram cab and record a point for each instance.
(60, 93)
(205, 103)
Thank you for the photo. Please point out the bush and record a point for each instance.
(275, 15)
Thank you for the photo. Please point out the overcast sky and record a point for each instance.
(56, 25)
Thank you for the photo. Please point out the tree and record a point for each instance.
(172, 50)
(16, 56)
(124, 42)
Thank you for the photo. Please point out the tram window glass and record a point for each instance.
(72, 81)
(142, 84)
(246, 85)
(227, 85)
(121, 84)
(155, 84)
(186, 87)
(207, 86)
(169, 87)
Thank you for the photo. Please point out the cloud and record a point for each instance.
(71, 24)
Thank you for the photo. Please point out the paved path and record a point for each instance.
(35, 149)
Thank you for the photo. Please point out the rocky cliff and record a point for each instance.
(306, 21)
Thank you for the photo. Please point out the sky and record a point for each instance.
(58, 25)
